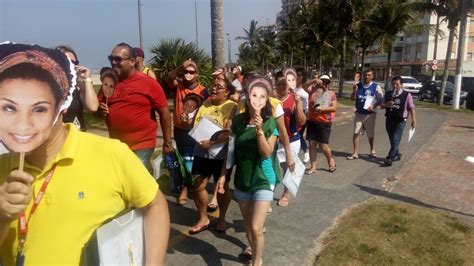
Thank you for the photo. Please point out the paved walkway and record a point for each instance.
(432, 173)
(440, 177)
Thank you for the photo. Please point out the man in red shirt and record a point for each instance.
(131, 109)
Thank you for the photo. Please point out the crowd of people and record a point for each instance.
(262, 120)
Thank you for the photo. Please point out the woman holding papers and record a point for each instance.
(209, 161)
(256, 135)
(58, 184)
(294, 118)
(322, 110)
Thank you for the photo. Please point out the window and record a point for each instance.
(469, 56)
(471, 38)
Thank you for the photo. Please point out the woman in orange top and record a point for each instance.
(322, 110)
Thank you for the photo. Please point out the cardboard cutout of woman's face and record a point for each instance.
(27, 111)
(291, 80)
(258, 97)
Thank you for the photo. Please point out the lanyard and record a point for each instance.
(23, 222)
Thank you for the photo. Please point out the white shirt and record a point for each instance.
(304, 97)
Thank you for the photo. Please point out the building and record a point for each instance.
(413, 54)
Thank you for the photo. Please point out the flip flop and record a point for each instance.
(246, 254)
(352, 157)
(181, 202)
(373, 155)
(309, 171)
(283, 201)
(221, 229)
(198, 228)
(211, 207)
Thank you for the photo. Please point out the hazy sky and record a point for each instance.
(93, 27)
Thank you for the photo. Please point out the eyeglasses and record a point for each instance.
(192, 72)
(117, 59)
(219, 87)
(75, 62)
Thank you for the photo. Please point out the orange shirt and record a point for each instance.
(179, 95)
(321, 117)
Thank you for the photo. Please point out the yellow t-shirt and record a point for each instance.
(277, 109)
(217, 113)
(95, 179)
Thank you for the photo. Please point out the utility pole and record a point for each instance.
(433, 71)
(196, 21)
(460, 55)
(229, 48)
(140, 36)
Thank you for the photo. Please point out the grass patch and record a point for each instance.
(380, 233)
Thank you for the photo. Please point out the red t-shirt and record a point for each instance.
(289, 108)
(132, 106)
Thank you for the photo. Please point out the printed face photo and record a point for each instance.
(27, 114)
(258, 98)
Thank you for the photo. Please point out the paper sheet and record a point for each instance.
(3, 149)
(292, 180)
(121, 241)
(204, 131)
(230, 153)
(369, 101)
(411, 133)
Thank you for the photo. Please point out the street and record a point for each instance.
(291, 232)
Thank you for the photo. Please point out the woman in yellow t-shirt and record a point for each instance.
(220, 110)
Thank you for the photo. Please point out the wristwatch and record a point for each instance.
(259, 132)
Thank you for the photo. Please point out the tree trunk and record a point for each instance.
(362, 67)
(389, 66)
(342, 64)
(446, 65)
(217, 33)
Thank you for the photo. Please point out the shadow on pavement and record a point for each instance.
(365, 157)
(208, 252)
(406, 199)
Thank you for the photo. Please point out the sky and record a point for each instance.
(93, 27)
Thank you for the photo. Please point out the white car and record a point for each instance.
(411, 85)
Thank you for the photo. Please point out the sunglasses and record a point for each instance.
(75, 62)
(117, 59)
(192, 72)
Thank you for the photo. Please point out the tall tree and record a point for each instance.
(394, 16)
(217, 33)
(451, 12)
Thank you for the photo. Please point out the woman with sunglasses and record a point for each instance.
(84, 96)
(255, 134)
(220, 110)
(58, 185)
(182, 81)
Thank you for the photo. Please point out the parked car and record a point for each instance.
(430, 91)
(411, 85)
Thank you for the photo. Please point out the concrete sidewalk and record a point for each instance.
(439, 177)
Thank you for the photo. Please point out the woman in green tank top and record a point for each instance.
(254, 130)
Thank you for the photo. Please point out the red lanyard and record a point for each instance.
(22, 222)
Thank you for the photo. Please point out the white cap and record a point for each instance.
(325, 77)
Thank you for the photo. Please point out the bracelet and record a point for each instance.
(259, 132)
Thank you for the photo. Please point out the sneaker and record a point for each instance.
(306, 157)
(398, 157)
(388, 162)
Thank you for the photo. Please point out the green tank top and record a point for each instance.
(249, 174)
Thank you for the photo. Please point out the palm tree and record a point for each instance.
(217, 33)
(251, 35)
(170, 53)
(394, 16)
(451, 11)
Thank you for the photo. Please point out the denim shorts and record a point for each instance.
(259, 195)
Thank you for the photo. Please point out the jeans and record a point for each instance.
(145, 156)
(394, 129)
